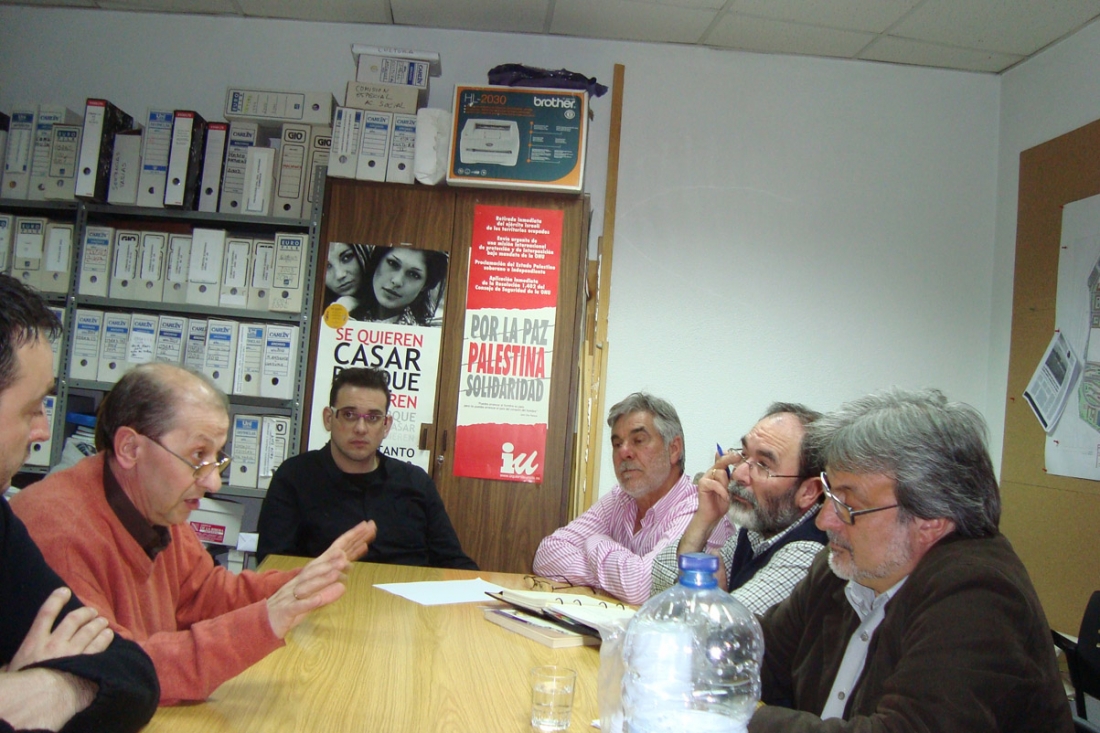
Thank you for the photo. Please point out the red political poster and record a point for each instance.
(511, 303)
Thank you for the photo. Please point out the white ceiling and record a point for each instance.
(973, 35)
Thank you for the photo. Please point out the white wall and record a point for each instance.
(1052, 94)
(788, 228)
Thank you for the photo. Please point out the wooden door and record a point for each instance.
(379, 214)
(500, 523)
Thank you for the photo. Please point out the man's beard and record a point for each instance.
(843, 563)
(768, 518)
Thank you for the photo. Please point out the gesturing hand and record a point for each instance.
(319, 583)
(82, 631)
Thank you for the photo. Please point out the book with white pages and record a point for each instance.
(87, 334)
(246, 450)
(28, 249)
(114, 347)
(205, 273)
(7, 224)
(262, 275)
(249, 360)
(155, 146)
(234, 283)
(48, 117)
(95, 260)
(177, 267)
(194, 348)
(57, 260)
(125, 270)
(171, 332)
(64, 152)
(536, 628)
(150, 270)
(20, 149)
(221, 352)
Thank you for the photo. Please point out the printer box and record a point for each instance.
(218, 522)
(514, 137)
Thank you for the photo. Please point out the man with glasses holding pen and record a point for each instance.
(920, 616)
(114, 527)
(316, 496)
(757, 507)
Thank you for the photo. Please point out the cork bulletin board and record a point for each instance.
(1052, 521)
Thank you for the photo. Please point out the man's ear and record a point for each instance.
(676, 450)
(809, 493)
(127, 445)
(931, 531)
(327, 416)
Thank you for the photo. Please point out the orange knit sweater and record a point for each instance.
(199, 623)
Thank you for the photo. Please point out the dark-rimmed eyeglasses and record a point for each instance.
(200, 470)
(350, 416)
(757, 469)
(846, 513)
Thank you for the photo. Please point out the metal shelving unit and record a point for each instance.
(90, 392)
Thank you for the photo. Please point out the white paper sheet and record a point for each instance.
(440, 592)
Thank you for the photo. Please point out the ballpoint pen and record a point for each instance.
(729, 471)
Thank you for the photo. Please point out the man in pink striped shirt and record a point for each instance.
(611, 546)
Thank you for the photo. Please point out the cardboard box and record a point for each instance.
(275, 107)
(390, 70)
(513, 137)
(384, 97)
(218, 522)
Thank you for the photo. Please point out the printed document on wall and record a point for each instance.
(1073, 446)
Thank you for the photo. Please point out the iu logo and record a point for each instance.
(521, 465)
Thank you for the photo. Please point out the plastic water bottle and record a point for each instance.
(691, 657)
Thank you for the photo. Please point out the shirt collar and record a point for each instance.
(152, 538)
(864, 601)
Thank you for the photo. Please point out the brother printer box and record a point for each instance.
(514, 137)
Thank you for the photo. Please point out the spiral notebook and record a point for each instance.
(578, 613)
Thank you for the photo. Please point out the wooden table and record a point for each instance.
(374, 661)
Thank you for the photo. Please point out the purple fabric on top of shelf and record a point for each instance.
(518, 75)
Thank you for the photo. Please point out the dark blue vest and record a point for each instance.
(746, 564)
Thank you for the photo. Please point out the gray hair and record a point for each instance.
(664, 415)
(147, 399)
(810, 463)
(933, 449)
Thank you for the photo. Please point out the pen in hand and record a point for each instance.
(729, 471)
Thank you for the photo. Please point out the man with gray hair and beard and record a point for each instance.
(920, 617)
(757, 506)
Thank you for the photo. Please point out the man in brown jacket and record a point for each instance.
(920, 617)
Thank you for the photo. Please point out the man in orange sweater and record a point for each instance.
(115, 528)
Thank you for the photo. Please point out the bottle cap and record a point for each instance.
(698, 562)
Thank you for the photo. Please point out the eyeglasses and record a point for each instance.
(546, 585)
(846, 513)
(758, 470)
(349, 416)
(204, 469)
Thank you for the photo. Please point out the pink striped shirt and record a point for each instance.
(600, 549)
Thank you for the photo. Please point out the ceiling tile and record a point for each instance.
(749, 33)
(906, 51)
(504, 16)
(52, 3)
(326, 11)
(856, 15)
(199, 7)
(632, 21)
(1008, 26)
